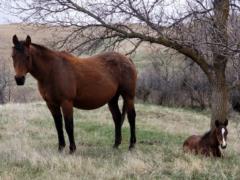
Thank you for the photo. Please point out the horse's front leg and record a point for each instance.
(67, 109)
(218, 153)
(57, 116)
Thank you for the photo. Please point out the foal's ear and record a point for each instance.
(28, 41)
(226, 122)
(15, 40)
(217, 123)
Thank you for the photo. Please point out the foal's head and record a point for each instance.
(21, 58)
(221, 133)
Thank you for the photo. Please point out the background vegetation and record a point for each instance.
(164, 76)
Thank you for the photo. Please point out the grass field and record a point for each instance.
(28, 146)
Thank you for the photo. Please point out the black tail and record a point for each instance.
(123, 112)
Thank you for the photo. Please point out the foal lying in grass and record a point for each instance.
(210, 143)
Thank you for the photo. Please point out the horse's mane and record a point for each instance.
(206, 135)
(40, 47)
(20, 46)
(61, 53)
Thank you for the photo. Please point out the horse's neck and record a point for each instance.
(210, 139)
(41, 65)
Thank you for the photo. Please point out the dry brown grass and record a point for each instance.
(28, 146)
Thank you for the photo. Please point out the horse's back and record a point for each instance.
(98, 78)
(115, 67)
(191, 143)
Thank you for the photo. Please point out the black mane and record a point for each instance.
(20, 46)
(40, 47)
(206, 135)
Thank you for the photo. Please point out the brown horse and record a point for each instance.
(65, 81)
(209, 143)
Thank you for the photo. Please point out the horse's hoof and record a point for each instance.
(131, 147)
(72, 149)
(61, 148)
(115, 146)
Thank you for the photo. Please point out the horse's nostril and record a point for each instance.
(20, 80)
(223, 146)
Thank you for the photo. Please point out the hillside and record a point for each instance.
(39, 35)
(46, 36)
(28, 146)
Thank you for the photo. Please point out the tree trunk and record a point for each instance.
(219, 97)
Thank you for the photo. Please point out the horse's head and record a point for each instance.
(221, 133)
(21, 58)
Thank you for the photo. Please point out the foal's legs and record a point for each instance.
(217, 152)
(116, 115)
(131, 114)
(57, 116)
(67, 109)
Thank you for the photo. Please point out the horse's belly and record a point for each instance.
(93, 100)
(81, 104)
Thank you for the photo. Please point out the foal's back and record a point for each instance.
(191, 144)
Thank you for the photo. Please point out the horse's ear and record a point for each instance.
(217, 123)
(15, 40)
(226, 122)
(28, 41)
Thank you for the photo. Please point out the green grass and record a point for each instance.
(28, 146)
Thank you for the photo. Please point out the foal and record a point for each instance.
(209, 143)
(65, 81)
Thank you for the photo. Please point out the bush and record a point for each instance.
(166, 83)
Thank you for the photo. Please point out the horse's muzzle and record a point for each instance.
(20, 80)
(223, 147)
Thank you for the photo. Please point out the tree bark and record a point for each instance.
(219, 97)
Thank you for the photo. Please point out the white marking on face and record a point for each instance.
(223, 140)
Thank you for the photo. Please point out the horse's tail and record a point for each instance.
(123, 112)
(131, 60)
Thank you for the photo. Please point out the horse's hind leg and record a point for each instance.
(67, 109)
(116, 115)
(131, 114)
